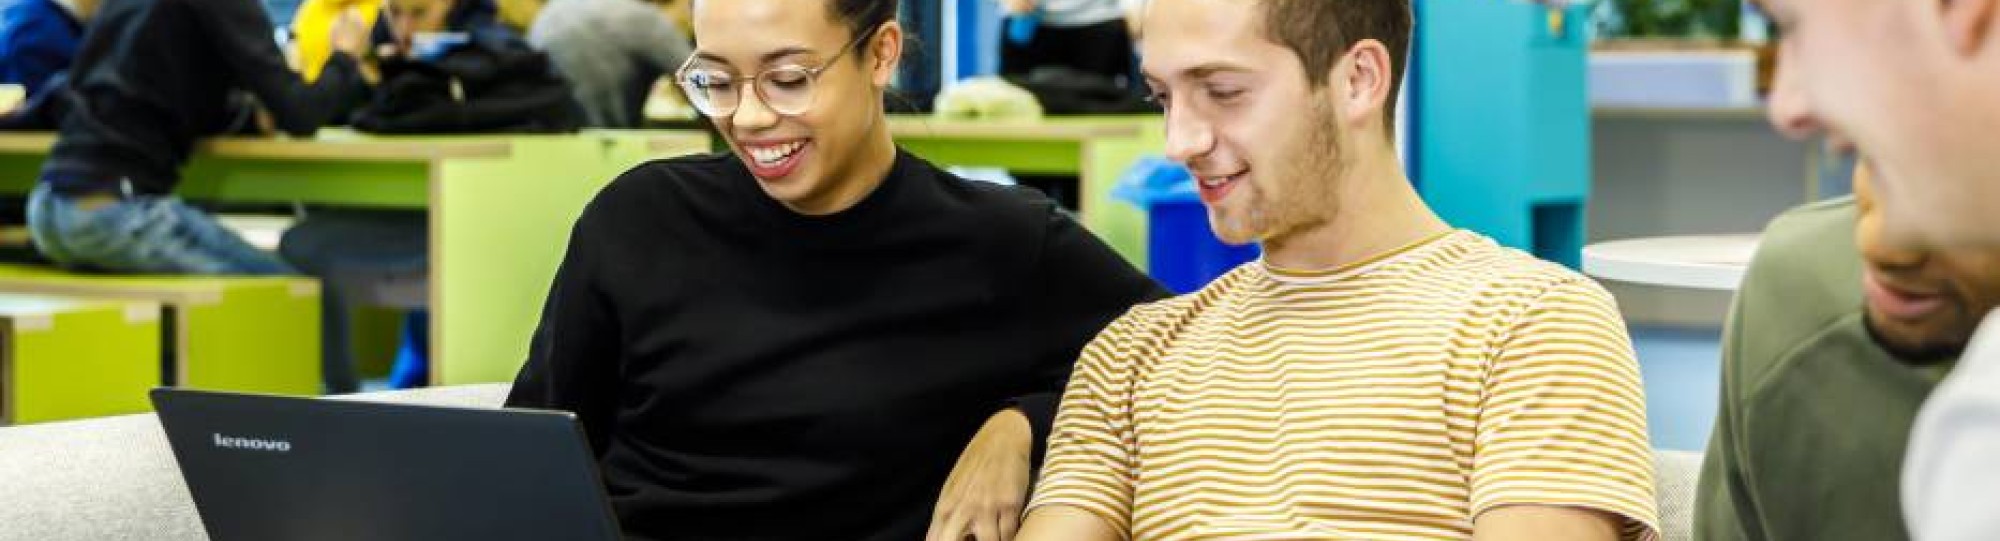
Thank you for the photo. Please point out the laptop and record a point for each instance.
(283, 468)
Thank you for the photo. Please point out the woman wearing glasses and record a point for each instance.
(816, 336)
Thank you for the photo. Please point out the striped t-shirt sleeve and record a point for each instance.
(1562, 421)
(1091, 464)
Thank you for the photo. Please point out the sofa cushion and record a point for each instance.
(1676, 473)
(115, 477)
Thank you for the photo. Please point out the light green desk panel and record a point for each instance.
(63, 358)
(251, 334)
(1097, 149)
(497, 244)
(261, 335)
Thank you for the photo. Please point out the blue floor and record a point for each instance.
(1681, 368)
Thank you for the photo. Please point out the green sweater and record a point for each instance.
(1809, 441)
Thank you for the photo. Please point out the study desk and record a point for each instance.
(1096, 149)
(501, 210)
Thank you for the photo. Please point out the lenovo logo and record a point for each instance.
(252, 444)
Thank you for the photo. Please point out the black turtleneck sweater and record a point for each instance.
(746, 372)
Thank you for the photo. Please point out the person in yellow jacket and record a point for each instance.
(406, 18)
(310, 48)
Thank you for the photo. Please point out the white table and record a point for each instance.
(1714, 262)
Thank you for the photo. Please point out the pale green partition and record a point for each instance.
(254, 334)
(515, 215)
(63, 358)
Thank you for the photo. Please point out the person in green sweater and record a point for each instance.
(1836, 338)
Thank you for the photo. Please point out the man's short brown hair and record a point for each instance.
(1321, 31)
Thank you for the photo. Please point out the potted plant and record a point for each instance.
(1670, 19)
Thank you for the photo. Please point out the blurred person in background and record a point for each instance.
(613, 52)
(39, 39)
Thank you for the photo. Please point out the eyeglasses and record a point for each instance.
(787, 90)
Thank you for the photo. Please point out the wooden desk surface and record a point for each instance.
(19, 305)
(26, 142)
(165, 289)
(909, 126)
(329, 145)
(341, 145)
(348, 145)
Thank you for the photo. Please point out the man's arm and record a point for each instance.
(243, 37)
(1562, 425)
(1544, 522)
(1064, 523)
(1088, 480)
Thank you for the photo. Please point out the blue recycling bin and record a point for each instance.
(1021, 28)
(1185, 254)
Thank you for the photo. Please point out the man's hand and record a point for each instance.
(983, 497)
(349, 35)
(266, 124)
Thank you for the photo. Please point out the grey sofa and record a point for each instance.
(115, 478)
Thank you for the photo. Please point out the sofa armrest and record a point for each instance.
(115, 477)
(1675, 475)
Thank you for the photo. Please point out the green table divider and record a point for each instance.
(252, 334)
(65, 358)
(517, 212)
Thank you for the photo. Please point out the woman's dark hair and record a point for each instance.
(864, 16)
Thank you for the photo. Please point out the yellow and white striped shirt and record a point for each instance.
(1394, 399)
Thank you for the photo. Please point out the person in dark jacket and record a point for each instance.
(395, 25)
(151, 79)
(403, 21)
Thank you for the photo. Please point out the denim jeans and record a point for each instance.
(149, 234)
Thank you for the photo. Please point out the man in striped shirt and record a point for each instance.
(1378, 375)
